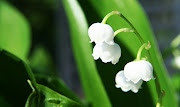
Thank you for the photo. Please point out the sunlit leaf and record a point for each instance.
(57, 85)
(45, 97)
(14, 31)
(91, 82)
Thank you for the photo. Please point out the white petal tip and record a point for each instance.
(117, 86)
(135, 91)
(114, 62)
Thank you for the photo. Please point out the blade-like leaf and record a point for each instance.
(14, 31)
(95, 10)
(57, 85)
(13, 79)
(176, 83)
(91, 82)
(45, 97)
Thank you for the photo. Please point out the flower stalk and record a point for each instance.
(146, 46)
(109, 15)
(122, 30)
(159, 103)
(158, 88)
(122, 16)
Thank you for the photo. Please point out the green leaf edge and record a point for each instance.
(89, 76)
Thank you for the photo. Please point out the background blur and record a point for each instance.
(49, 29)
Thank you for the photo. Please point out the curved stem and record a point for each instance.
(158, 88)
(122, 30)
(135, 31)
(110, 14)
(146, 46)
(121, 15)
(31, 85)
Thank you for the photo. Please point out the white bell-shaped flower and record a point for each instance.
(107, 53)
(100, 32)
(136, 70)
(125, 86)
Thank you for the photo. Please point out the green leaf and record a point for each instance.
(57, 85)
(95, 10)
(44, 71)
(91, 82)
(45, 97)
(13, 79)
(14, 31)
(176, 84)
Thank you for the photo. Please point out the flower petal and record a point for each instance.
(121, 82)
(100, 32)
(137, 70)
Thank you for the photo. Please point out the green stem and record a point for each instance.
(159, 103)
(121, 15)
(109, 15)
(31, 85)
(135, 31)
(32, 80)
(146, 46)
(122, 30)
(158, 88)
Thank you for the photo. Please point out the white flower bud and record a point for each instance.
(100, 32)
(136, 70)
(125, 86)
(107, 53)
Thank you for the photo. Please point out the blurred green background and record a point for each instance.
(49, 28)
(50, 36)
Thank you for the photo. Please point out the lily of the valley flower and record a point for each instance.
(100, 32)
(125, 85)
(107, 53)
(136, 70)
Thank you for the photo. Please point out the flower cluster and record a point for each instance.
(134, 74)
(105, 49)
